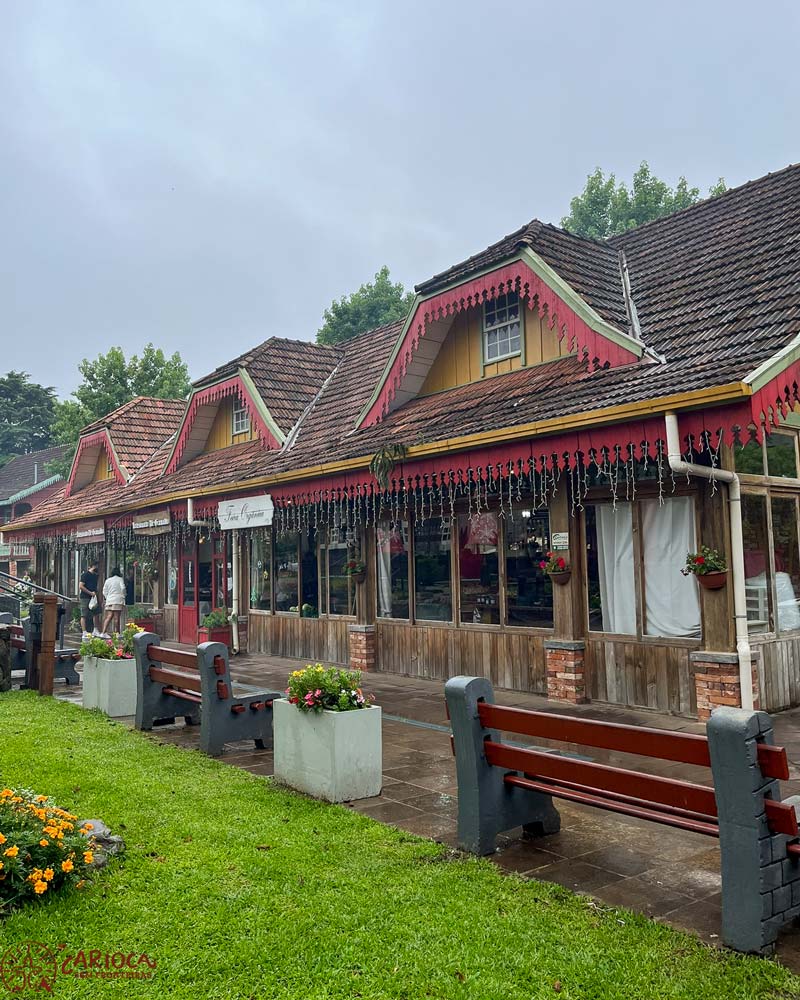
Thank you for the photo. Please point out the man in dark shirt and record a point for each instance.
(87, 589)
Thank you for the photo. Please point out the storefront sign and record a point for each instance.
(250, 512)
(560, 540)
(91, 533)
(156, 522)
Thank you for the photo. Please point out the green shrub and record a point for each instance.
(317, 688)
(216, 619)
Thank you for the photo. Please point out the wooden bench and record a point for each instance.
(65, 658)
(503, 785)
(198, 687)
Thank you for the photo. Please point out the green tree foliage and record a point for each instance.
(376, 302)
(606, 207)
(26, 415)
(110, 381)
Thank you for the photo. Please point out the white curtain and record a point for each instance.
(384, 549)
(615, 563)
(672, 605)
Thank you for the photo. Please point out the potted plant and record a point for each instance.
(139, 615)
(327, 735)
(216, 627)
(708, 566)
(557, 568)
(356, 569)
(109, 673)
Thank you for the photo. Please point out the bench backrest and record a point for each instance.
(205, 672)
(696, 803)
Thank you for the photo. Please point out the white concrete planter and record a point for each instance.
(336, 756)
(110, 685)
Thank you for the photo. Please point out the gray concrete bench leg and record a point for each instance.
(486, 805)
(152, 705)
(760, 881)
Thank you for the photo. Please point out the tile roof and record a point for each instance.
(24, 471)
(140, 427)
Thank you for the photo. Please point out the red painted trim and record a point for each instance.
(215, 394)
(598, 350)
(773, 402)
(99, 437)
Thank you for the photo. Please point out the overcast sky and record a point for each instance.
(208, 174)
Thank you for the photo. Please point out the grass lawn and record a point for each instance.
(241, 890)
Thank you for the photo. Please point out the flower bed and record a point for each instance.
(42, 849)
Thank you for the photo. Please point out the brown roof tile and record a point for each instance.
(140, 427)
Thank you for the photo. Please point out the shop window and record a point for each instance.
(432, 595)
(785, 555)
(260, 571)
(343, 547)
(287, 572)
(756, 561)
(479, 568)
(781, 455)
(609, 568)
(501, 327)
(671, 600)
(392, 555)
(309, 574)
(529, 592)
(240, 419)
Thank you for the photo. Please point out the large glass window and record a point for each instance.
(392, 544)
(432, 597)
(309, 574)
(479, 568)
(343, 547)
(287, 572)
(781, 455)
(748, 458)
(609, 567)
(786, 554)
(172, 573)
(501, 327)
(756, 561)
(260, 571)
(529, 592)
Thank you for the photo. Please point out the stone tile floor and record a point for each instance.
(668, 874)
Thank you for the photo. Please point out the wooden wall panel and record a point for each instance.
(170, 622)
(641, 675)
(323, 640)
(779, 672)
(220, 435)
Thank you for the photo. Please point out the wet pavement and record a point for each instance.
(669, 874)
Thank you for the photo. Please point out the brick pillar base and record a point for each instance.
(717, 682)
(566, 678)
(362, 647)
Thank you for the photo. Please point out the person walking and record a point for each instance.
(87, 589)
(114, 600)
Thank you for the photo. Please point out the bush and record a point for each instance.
(317, 688)
(41, 848)
(216, 619)
(136, 611)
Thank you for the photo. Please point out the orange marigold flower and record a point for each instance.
(44, 842)
(67, 866)
(81, 884)
(40, 887)
(88, 857)
(88, 826)
(41, 798)
(2, 839)
(48, 874)
(2, 866)
(11, 852)
(6, 793)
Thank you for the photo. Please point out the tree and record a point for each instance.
(110, 381)
(26, 415)
(375, 303)
(605, 207)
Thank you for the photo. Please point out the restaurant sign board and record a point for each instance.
(154, 522)
(247, 512)
(90, 532)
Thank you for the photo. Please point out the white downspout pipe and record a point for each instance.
(235, 594)
(677, 464)
(191, 519)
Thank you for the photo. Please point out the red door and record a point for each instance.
(187, 609)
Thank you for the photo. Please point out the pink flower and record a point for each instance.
(317, 693)
(542, 564)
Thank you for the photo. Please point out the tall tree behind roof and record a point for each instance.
(109, 381)
(375, 303)
(606, 207)
(26, 415)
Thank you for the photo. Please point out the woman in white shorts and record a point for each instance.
(113, 600)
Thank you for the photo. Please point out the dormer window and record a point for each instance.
(501, 327)
(241, 419)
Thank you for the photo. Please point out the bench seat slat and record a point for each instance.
(185, 695)
(685, 748)
(177, 678)
(175, 657)
(660, 791)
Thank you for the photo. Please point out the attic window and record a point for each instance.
(501, 327)
(241, 419)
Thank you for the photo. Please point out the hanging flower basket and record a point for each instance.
(356, 570)
(557, 568)
(713, 581)
(562, 577)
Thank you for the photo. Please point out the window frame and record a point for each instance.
(770, 491)
(240, 413)
(764, 477)
(486, 330)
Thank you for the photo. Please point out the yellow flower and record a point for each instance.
(2, 839)
(40, 887)
(44, 842)
(67, 866)
(41, 798)
(81, 884)
(6, 793)
(11, 852)
(88, 826)
(2, 865)
(48, 874)
(88, 857)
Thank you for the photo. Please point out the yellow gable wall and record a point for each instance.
(461, 355)
(221, 433)
(101, 470)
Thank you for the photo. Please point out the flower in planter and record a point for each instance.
(355, 567)
(318, 688)
(554, 564)
(116, 647)
(704, 562)
(216, 619)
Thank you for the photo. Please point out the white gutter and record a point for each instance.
(677, 464)
(191, 519)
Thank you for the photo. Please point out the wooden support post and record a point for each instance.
(47, 648)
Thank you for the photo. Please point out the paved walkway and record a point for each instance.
(668, 874)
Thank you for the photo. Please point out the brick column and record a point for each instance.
(566, 678)
(717, 682)
(362, 647)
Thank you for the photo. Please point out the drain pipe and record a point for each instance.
(191, 519)
(677, 464)
(235, 595)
